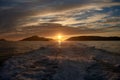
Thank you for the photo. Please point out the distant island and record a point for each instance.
(93, 38)
(36, 38)
(3, 40)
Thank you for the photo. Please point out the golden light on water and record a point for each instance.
(59, 38)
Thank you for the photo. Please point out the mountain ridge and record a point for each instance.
(3, 40)
(36, 38)
(93, 38)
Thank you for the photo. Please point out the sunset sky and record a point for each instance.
(23, 18)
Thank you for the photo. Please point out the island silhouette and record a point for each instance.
(3, 40)
(36, 38)
(93, 38)
(74, 38)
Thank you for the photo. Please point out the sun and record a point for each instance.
(60, 38)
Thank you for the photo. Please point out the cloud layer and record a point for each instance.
(26, 17)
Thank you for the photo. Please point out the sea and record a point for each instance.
(26, 46)
(68, 60)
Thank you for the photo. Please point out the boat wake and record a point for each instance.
(71, 62)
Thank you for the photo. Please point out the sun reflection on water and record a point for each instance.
(60, 39)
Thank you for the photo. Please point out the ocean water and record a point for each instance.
(111, 46)
(82, 60)
(26, 46)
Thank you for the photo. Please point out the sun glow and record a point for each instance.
(59, 38)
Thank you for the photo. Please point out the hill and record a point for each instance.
(2, 40)
(93, 38)
(36, 38)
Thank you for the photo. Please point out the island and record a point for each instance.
(93, 38)
(3, 40)
(36, 38)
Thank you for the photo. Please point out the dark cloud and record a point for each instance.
(16, 13)
(51, 29)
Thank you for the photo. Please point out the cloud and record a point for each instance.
(51, 29)
(71, 14)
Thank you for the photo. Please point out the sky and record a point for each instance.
(23, 18)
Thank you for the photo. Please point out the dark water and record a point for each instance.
(75, 61)
(22, 47)
(8, 49)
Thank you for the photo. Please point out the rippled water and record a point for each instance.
(22, 47)
(112, 46)
(68, 61)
